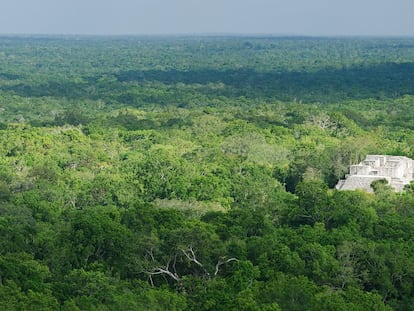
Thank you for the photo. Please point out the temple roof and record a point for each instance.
(397, 170)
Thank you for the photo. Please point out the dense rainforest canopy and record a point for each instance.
(198, 173)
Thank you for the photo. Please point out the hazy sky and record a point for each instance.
(295, 17)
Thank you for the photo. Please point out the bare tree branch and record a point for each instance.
(174, 264)
(192, 257)
(151, 281)
(169, 270)
(151, 254)
(223, 262)
(163, 271)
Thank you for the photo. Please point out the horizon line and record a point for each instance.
(207, 34)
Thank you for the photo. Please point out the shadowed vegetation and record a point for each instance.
(198, 173)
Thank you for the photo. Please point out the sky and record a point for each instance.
(164, 17)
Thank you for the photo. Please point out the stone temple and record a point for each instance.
(397, 170)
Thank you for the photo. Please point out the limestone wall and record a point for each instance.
(397, 170)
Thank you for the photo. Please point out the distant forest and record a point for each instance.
(199, 173)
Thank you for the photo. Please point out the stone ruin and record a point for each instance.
(398, 171)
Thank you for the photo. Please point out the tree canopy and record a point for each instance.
(187, 173)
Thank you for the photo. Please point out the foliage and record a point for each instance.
(197, 173)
